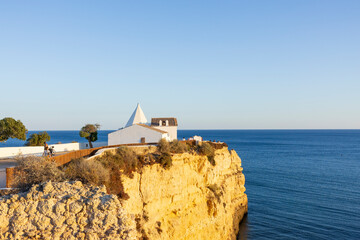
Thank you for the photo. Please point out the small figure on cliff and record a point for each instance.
(46, 149)
(52, 151)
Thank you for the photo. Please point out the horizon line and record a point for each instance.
(218, 129)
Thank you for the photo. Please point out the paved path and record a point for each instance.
(5, 163)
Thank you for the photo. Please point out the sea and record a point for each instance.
(301, 184)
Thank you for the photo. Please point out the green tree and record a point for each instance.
(90, 132)
(37, 139)
(10, 128)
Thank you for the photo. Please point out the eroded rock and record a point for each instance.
(67, 210)
(190, 200)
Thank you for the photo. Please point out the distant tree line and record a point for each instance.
(11, 128)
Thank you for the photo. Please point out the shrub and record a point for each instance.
(88, 172)
(191, 145)
(216, 145)
(146, 159)
(128, 157)
(115, 185)
(163, 146)
(165, 160)
(124, 159)
(178, 147)
(35, 170)
(112, 163)
(207, 150)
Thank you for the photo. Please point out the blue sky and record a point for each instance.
(212, 64)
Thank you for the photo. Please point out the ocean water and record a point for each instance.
(301, 184)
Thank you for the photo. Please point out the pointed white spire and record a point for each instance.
(138, 116)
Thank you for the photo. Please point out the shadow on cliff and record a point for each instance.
(243, 229)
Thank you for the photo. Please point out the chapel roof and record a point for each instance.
(137, 117)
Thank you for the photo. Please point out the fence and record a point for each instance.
(67, 157)
(9, 152)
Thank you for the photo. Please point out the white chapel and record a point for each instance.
(138, 130)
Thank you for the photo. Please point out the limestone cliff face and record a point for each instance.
(67, 210)
(191, 200)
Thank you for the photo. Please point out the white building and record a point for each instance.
(166, 124)
(137, 130)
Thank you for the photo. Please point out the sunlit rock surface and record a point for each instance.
(68, 210)
(191, 200)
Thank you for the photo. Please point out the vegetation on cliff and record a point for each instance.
(159, 186)
(108, 168)
(88, 172)
(207, 150)
(34, 170)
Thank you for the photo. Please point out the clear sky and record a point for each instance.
(212, 64)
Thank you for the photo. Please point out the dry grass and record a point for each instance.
(165, 160)
(33, 170)
(216, 145)
(178, 147)
(208, 150)
(124, 159)
(163, 146)
(87, 171)
(109, 168)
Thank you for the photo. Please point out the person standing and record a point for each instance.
(52, 151)
(46, 149)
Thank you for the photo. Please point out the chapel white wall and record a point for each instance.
(172, 130)
(133, 134)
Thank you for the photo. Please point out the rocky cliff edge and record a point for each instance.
(191, 200)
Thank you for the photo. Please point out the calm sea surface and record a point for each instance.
(301, 184)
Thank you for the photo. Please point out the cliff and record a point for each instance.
(67, 210)
(191, 200)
